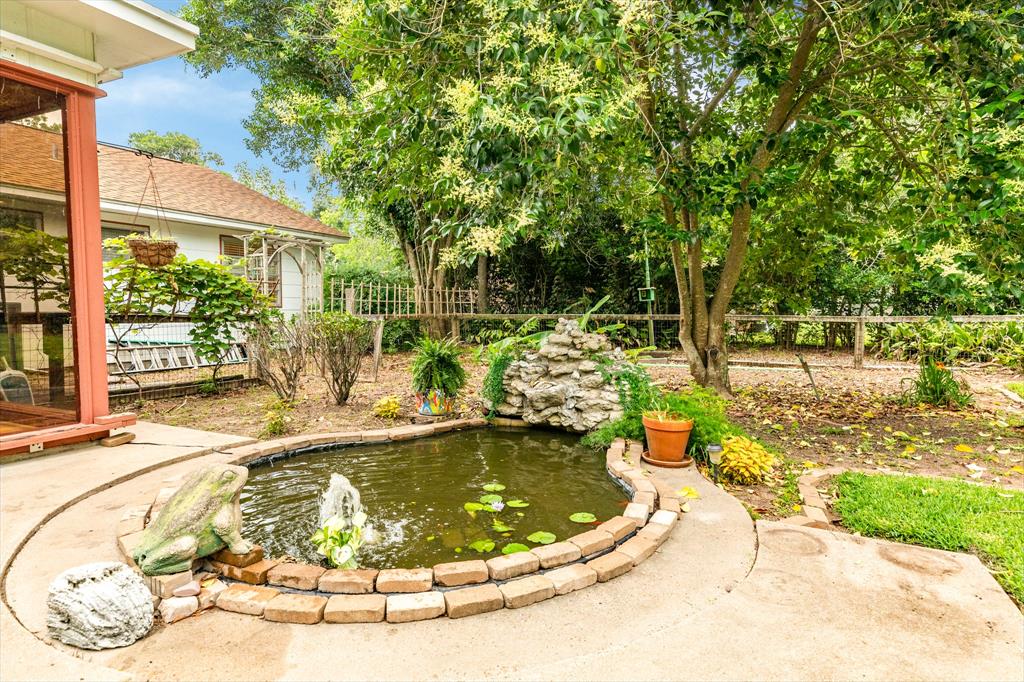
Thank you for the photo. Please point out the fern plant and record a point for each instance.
(437, 367)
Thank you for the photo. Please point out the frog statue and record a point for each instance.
(202, 517)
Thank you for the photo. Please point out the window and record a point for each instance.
(119, 231)
(16, 218)
(233, 251)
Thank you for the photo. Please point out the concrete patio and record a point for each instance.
(722, 599)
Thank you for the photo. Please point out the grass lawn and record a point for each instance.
(944, 514)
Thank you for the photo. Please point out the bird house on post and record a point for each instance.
(645, 294)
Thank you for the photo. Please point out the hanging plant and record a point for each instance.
(153, 253)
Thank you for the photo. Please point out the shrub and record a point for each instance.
(277, 419)
(949, 342)
(387, 407)
(437, 366)
(493, 389)
(339, 343)
(744, 461)
(936, 385)
(279, 347)
(638, 395)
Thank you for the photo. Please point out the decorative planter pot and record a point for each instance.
(154, 253)
(666, 440)
(434, 403)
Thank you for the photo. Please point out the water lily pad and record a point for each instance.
(513, 547)
(494, 487)
(473, 506)
(431, 538)
(500, 527)
(482, 546)
(541, 537)
(458, 550)
(582, 517)
(490, 499)
(518, 504)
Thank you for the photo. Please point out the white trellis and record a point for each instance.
(261, 250)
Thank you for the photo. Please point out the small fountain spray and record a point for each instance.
(342, 523)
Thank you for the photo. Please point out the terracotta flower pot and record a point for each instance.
(667, 437)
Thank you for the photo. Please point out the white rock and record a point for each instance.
(175, 608)
(99, 606)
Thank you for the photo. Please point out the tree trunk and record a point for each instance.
(481, 283)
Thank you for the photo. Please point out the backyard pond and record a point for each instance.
(452, 497)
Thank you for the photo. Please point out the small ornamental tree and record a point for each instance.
(217, 302)
(339, 341)
(280, 348)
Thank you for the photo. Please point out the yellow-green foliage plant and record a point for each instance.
(745, 461)
(387, 407)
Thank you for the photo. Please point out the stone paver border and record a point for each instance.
(815, 509)
(308, 594)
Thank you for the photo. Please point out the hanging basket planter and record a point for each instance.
(154, 253)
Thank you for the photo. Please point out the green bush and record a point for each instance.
(638, 395)
(437, 366)
(400, 335)
(944, 341)
(339, 342)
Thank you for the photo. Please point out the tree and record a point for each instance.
(176, 146)
(261, 180)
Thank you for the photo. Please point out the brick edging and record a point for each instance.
(815, 509)
(308, 594)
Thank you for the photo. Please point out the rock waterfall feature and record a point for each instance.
(565, 383)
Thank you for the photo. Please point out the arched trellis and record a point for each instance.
(260, 251)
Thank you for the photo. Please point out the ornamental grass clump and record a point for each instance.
(936, 385)
(745, 461)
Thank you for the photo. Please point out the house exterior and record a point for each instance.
(207, 213)
(53, 57)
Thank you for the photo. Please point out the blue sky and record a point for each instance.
(168, 95)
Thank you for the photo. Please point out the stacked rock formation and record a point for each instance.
(564, 383)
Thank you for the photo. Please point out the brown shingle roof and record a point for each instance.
(26, 160)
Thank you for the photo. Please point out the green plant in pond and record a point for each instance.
(494, 487)
(582, 517)
(514, 547)
(499, 527)
(541, 537)
(437, 367)
(482, 546)
(936, 385)
(490, 499)
(339, 542)
(517, 504)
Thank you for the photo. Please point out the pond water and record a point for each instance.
(414, 493)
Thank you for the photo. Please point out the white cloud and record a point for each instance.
(186, 92)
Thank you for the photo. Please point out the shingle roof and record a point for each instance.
(26, 159)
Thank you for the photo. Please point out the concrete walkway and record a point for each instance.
(814, 605)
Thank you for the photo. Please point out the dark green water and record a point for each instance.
(414, 492)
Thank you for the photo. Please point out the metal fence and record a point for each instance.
(156, 359)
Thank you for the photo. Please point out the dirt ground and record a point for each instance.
(856, 420)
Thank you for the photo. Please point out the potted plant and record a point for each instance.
(151, 252)
(667, 432)
(437, 376)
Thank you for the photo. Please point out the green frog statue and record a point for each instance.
(202, 517)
